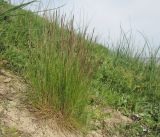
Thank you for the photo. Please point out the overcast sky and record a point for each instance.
(106, 16)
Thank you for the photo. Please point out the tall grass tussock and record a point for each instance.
(60, 71)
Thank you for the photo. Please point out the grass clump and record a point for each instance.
(60, 72)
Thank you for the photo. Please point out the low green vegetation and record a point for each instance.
(7, 132)
(70, 74)
(132, 86)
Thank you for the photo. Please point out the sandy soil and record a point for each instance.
(15, 115)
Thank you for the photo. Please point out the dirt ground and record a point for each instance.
(17, 121)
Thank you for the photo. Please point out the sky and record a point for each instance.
(108, 16)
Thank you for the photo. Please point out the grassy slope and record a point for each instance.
(121, 80)
(132, 86)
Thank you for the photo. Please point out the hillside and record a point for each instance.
(80, 83)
